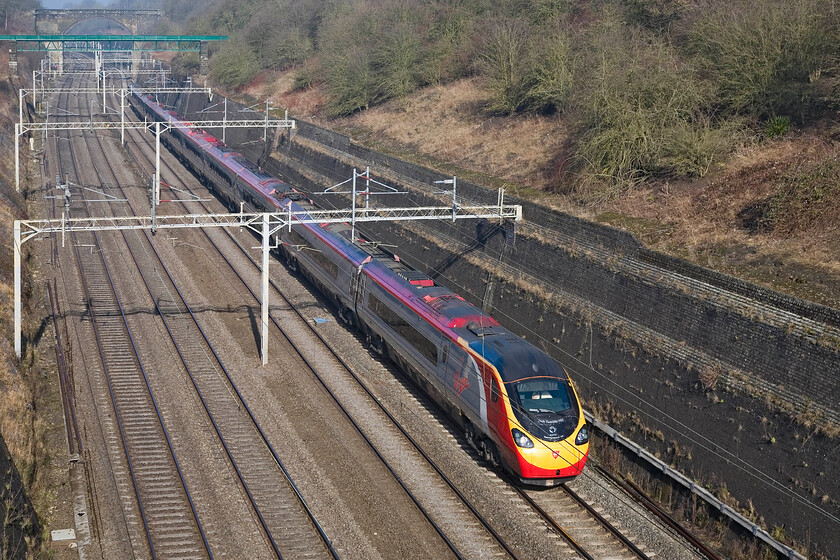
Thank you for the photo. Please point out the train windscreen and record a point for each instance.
(543, 395)
(543, 406)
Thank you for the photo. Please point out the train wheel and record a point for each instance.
(488, 451)
(377, 344)
(347, 317)
(469, 431)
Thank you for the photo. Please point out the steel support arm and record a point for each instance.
(265, 224)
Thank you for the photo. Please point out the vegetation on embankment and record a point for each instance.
(651, 88)
(21, 430)
(28, 478)
(700, 126)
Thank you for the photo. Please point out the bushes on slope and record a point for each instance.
(652, 88)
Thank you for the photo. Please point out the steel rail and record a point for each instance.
(633, 490)
(245, 406)
(114, 404)
(551, 521)
(119, 420)
(605, 523)
(95, 327)
(71, 424)
(225, 446)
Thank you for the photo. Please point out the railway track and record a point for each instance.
(170, 523)
(188, 352)
(287, 522)
(593, 536)
(639, 496)
(75, 446)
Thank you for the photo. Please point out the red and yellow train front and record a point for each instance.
(549, 462)
(545, 439)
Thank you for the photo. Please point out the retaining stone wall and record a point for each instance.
(735, 336)
(807, 309)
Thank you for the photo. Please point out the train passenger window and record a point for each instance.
(413, 336)
(297, 239)
(324, 262)
(320, 258)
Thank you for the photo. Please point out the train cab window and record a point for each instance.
(543, 395)
(494, 391)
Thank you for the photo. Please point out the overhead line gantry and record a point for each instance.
(22, 127)
(265, 224)
(89, 43)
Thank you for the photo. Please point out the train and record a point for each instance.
(516, 405)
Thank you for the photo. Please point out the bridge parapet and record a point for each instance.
(53, 22)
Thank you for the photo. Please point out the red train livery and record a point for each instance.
(517, 405)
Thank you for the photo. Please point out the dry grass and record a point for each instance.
(308, 104)
(14, 422)
(706, 207)
(709, 376)
(21, 429)
(21, 386)
(700, 220)
(703, 221)
(15, 418)
(447, 123)
(163, 56)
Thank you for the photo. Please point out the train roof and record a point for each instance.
(447, 308)
(514, 358)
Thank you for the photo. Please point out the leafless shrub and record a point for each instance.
(709, 376)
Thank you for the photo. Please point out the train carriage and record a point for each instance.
(517, 405)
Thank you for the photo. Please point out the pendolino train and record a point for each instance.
(516, 405)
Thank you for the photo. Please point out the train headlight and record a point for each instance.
(521, 439)
(583, 436)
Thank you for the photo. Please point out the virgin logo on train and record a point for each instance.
(461, 383)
